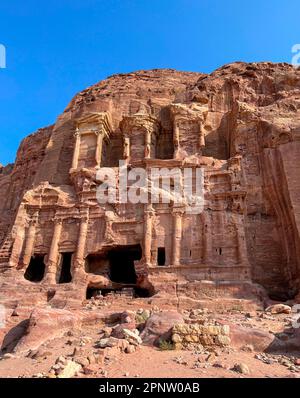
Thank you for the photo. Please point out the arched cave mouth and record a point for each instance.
(280, 288)
(283, 295)
(118, 264)
(36, 268)
(121, 264)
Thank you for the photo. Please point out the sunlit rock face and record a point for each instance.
(240, 125)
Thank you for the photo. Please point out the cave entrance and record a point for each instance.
(161, 256)
(121, 263)
(65, 272)
(36, 268)
(91, 292)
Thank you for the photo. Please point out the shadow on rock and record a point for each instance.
(13, 336)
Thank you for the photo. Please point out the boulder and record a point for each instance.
(241, 368)
(108, 342)
(128, 317)
(118, 331)
(46, 324)
(132, 337)
(70, 369)
(130, 349)
(291, 344)
(159, 326)
(241, 336)
(98, 282)
(279, 309)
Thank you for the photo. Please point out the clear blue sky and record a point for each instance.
(56, 48)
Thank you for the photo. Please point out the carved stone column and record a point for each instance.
(148, 224)
(242, 257)
(207, 239)
(148, 137)
(78, 264)
(175, 137)
(29, 243)
(76, 150)
(202, 137)
(177, 235)
(98, 156)
(126, 148)
(52, 261)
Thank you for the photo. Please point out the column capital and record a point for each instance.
(84, 219)
(149, 210)
(33, 218)
(178, 211)
(101, 131)
(84, 211)
(33, 222)
(57, 220)
(126, 146)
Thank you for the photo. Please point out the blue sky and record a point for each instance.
(56, 48)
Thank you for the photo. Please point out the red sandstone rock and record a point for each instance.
(46, 324)
(260, 340)
(118, 331)
(159, 326)
(279, 309)
(241, 124)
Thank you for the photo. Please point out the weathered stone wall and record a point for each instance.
(189, 336)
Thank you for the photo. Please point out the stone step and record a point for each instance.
(7, 244)
(5, 248)
(4, 253)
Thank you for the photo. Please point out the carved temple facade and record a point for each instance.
(71, 237)
(56, 238)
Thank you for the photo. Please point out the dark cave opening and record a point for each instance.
(36, 268)
(65, 272)
(283, 295)
(121, 263)
(121, 271)
(161, 256)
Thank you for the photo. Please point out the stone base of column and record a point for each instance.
(78, 275)
(78, 268)
(50, 278)
(50, 274)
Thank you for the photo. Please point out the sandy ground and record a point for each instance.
(151, 362)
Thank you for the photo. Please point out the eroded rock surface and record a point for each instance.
(240, 124)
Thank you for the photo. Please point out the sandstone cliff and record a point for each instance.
(249, 117)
